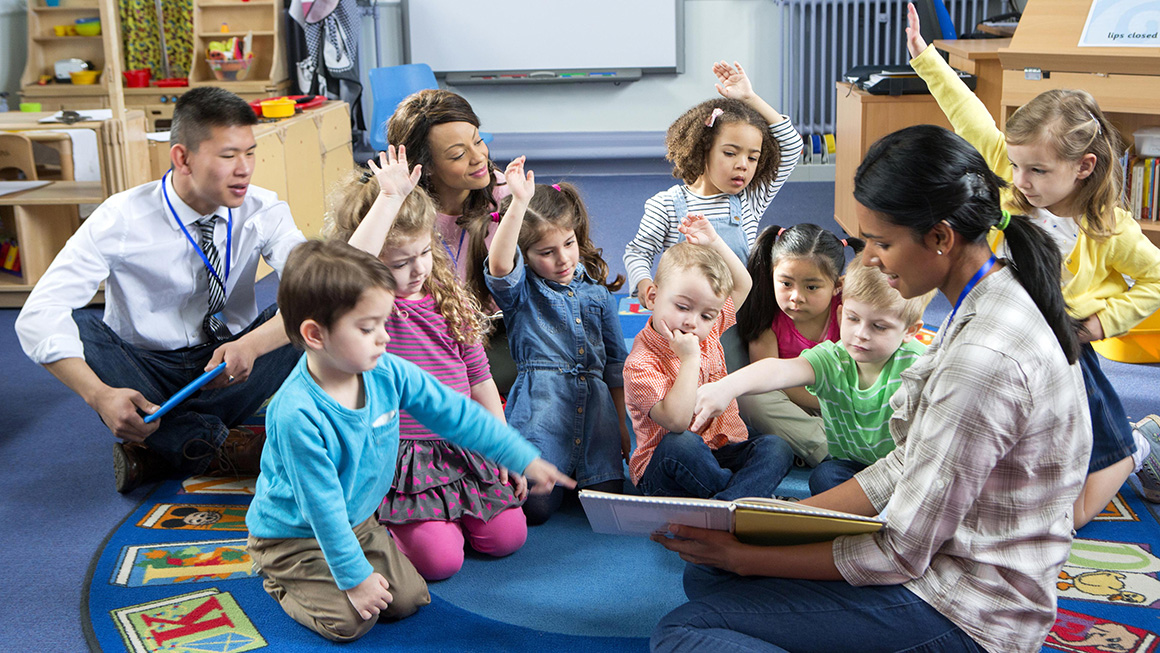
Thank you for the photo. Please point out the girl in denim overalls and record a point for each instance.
(564, 333)
(733, 153)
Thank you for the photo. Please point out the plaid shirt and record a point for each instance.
(993, 443)
(649, 372)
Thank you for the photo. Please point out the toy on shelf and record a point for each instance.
(230, 59)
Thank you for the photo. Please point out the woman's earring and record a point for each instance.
(939, 252)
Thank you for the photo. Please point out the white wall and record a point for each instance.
(748, 31)
(13, 46)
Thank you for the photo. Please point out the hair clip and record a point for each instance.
(1098, 129)
(366, 176)
(495, 216)
(556, 186)
(844, 243)
(713, 116)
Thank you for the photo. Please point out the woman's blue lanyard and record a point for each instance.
(196, 247)
(970, 285)
(458, 250)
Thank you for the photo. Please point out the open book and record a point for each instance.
(752, 520)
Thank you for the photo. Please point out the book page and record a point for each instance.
(777, 505)
(619, 514)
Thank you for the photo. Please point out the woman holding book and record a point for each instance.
(991, 452)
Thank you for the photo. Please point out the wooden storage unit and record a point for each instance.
(1125, 81)
(45, 48)
(261, 18)
(862, 119)
(42, 220)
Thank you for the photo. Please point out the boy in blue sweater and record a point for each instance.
(332, 437)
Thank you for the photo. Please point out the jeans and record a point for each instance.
(730, 612)
(683, 465)
(832, 472)
(188, 436)
(1111, 432)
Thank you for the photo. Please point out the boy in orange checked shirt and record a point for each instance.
(698, 285)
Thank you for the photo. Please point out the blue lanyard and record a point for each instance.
(970, 286)
(458, 250)
(197, 247)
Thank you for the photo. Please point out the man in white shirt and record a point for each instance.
(178, 258)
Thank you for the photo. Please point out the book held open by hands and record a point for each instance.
(752, 520)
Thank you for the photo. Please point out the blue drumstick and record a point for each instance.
(185, 392)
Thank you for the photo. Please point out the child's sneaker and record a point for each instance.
(1149, 473)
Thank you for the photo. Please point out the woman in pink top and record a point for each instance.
(801, 268)
(442, 495)
(440, 132)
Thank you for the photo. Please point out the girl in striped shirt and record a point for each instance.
(733, 154)
(442, 494)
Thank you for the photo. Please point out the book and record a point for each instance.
(752, 520)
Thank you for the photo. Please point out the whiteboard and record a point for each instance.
(518, 35)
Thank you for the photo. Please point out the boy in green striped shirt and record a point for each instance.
(853, 378)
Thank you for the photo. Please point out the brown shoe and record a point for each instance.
(239, 455)
(135, 464)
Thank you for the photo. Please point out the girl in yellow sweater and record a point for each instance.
(1062, 156)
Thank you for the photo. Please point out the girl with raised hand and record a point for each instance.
(733, 154)
(442, 494)
(992, 446)
(1062, 156)
(564, 329)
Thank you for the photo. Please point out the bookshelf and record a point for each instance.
(1125, 81)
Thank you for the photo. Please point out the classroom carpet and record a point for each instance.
(175, 576)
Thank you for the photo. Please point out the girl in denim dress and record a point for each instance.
(564, 334)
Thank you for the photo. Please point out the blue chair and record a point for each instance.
(390, 85)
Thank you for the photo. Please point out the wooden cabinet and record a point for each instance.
(1125, 81)
(45, 48)
(216, 20)
(862, 119)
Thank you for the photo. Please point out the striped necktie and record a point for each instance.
(212, 325)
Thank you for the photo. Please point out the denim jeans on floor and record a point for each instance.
(188, 435)
(832, 472)
(682, 465)
(1111, 432)
(735, 613)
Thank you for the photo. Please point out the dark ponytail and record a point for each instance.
(805, 241)
(920, 176)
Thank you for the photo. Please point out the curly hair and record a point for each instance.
(689, 139)
(410, 126)
(560, 206)
(349, 205)
(1072, 125)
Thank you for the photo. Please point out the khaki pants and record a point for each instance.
(773, 413)
(295, 573)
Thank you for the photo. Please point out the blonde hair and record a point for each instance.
(559, 206)
(1071, 123)
(865, 283)
(349, 205)
(701, 259)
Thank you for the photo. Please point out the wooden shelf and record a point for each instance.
(57, 192)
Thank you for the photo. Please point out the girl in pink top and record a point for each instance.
(801, 268)
(442, 494)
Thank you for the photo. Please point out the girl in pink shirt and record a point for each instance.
(442, 494)
(801, 269)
